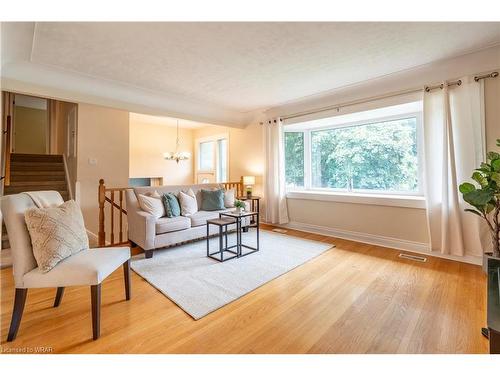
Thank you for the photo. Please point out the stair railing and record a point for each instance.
(114, 198)
(8, 134)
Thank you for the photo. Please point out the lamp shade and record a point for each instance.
(248, 180)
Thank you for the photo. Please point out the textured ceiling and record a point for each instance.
(249, 66)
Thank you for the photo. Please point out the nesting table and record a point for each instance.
(239, 249)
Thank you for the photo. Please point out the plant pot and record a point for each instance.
(239, 210)
(486, 258)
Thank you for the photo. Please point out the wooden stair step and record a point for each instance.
(37, 173)
(21, 189)
(29, 166)
(41, 184)
(35, 158)
(23, 179)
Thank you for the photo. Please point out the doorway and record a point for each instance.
(31, 127)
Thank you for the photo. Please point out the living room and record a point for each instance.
(261, 188)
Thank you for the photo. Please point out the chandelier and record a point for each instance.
(176, 155)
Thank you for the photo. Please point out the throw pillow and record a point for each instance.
(188, 203)
(212, 200)
(152, 205)
(229, 198)
(171, 204)
(56, 233)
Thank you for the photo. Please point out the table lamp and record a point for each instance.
(248, 182)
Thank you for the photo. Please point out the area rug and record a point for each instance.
(200, 285)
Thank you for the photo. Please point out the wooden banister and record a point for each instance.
(8, 136)
(108, 195)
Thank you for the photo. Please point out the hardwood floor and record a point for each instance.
(355, 298)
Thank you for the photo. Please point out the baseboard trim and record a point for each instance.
(372, 239)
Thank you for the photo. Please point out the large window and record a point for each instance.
(374, 155)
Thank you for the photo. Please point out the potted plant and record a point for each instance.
(240, 206)
(485, 198)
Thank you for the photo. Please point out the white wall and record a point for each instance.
(148, 142)
(103, 135)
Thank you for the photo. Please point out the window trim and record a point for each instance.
(359, 193)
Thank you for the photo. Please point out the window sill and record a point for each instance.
(409, 201)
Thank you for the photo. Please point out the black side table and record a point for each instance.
(238, 216)
(254, 206)
(222, 223)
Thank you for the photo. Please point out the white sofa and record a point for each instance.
(150, 233)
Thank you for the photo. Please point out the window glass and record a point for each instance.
(294, 159)
(377, 156)
(206, 156)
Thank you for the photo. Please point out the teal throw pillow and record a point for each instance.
(212, 200)
(172, 207)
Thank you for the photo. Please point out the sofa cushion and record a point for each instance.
(152, 205)
(201, 217)
(171, 224)
(188, 203)
(229, 198)
(171, 204)
(212, 200)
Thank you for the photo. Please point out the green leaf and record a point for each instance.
(493, 155)
(480, 179)
(498, 142)
(495, 176)
(479, 198)
(495, 165)
(466, 187)
(474, 212)
(489, 207)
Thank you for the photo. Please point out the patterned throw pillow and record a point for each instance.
(171, 204)
(212, 200)
(56, 233)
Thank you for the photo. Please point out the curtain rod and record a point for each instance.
(390, 95)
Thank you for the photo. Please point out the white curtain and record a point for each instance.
(454, 143)
(276, 211)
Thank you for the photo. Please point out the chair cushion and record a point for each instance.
(212, 200)
(201, 217)
(171, 224)
(56, 233)
(88, 267)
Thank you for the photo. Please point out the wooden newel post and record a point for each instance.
(102, 198)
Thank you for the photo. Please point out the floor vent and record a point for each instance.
(416, 258)
(278, 230)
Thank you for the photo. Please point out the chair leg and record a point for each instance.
(59, 296)
(149, 254)
(95, 291)
(126, 276)
(17, 312)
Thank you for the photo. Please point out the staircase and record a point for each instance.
(33, 172)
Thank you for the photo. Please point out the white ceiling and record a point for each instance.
(235, 68)
(165, 121)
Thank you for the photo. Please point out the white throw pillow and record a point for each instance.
(152, 205)
(229, 198)
(188, 203)
(56, 233)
